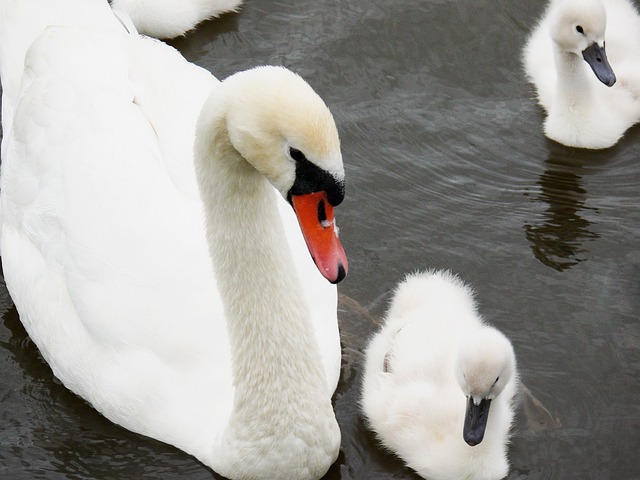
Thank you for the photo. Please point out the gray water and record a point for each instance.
(447, 168)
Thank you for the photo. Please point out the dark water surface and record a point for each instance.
(446, 167)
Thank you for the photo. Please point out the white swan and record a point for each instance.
(591, 96)
(225, 343)
(172, 18)
(432, 360)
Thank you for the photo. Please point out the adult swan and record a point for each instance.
(170, 286)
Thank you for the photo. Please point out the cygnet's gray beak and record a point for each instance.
(596, 57)
(475, 421)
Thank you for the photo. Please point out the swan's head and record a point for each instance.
(281, 127)
(578, 27)
(486, 364)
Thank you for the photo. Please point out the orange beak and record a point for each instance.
(315, 216)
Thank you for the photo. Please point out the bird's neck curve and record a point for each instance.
(573, 82)
(281, 391)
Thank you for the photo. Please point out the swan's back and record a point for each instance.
(102, 240)
(23, 21)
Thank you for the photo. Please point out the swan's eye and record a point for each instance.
(296, 154)
(579, 29)
(497, 378)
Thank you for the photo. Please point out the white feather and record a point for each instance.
(107, 260)
(172, 18)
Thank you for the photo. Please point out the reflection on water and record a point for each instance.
(557, 241)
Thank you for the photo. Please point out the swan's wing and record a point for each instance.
(21, 21)
(103, 241)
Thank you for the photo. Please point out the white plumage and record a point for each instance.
(432, 354)
(582, 111)
(172, 18)
(204, 325)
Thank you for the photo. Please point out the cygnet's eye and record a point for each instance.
(579, 29)
(296, 154)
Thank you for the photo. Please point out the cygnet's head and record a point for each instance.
(486, 364)
(578, 27)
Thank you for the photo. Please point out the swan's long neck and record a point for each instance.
(573, 83)
(280, 387)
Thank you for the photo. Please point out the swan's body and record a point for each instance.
(109, 238)
(171, 18)
(432, 358)
(582, 109)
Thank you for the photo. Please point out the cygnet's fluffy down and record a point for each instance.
(583, 58)
(439, 383)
